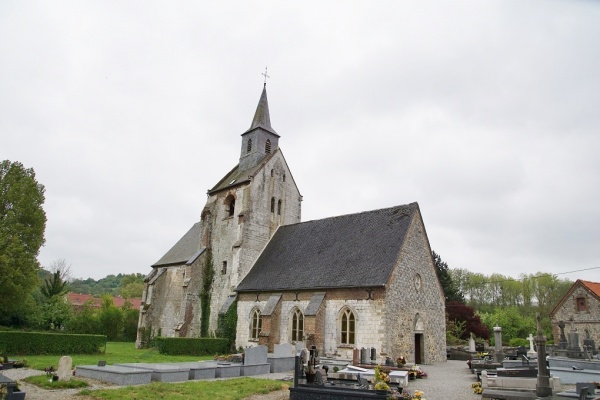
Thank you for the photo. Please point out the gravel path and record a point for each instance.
(446, 381)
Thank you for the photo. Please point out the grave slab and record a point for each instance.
(257, 369)
(571, 376)
(199, 370)
(228, 370)
(162, 372)
(118, 375)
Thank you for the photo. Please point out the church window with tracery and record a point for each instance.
(249, 147)
(268, 147)
(255, 325)
(297, 326)
(347, 327)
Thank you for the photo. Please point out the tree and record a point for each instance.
(56, 284)
(22, 226)
(450, 291)
(110, 318)
(457, 312)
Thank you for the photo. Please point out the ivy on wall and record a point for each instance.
(227, 324)
(208, 273)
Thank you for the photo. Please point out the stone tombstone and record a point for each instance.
(563, 343)
(498, 355)
(588, 343)
(64, 371)
(255, 355)
(299, 347)
(283, 350)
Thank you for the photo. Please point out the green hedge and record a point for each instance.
(192, 346)
(37, 343)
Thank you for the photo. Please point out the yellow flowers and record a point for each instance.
(477, 388)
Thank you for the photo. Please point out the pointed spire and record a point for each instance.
(262, 118)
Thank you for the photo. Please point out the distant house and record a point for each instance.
(580, 306)
(78, 300)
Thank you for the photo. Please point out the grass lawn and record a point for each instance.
(46, 382)
(228, 389)
(116, 352)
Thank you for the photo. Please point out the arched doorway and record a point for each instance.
(419, 331)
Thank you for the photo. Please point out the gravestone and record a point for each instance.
(563, 343)
(498, 355)
(255, 355)
(299, 346)
(589, 344)
(574, 350)
(283, 350)
(531, 353)
(64, 371)
(282, 358)
(255, 361)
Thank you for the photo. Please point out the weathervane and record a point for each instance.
(265, 75)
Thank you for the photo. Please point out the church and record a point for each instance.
(339, 283)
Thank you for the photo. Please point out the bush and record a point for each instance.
(192, 346)
(516, 342)
(34, 343)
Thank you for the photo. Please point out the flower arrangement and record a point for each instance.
(417, 395)
(381, 379)
(477, 388)
(400, 361)
(417, 372)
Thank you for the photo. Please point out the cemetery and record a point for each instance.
(541, 371)
(536, 372)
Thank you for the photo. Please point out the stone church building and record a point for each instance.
(352, 281)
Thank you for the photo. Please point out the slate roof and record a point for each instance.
(356, 250)
(262, 118)
(237, 177)
(184, 250)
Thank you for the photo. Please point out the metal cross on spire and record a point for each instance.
(265, 75)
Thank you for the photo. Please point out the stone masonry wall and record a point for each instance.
(239, 240)
(414, 290)
(588, 319)
(168, 300)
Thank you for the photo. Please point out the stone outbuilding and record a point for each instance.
(579, 308)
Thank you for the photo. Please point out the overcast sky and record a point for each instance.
(486, 113)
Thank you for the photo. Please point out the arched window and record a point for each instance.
(255, 325)
(284, 177)
(249, 147)
(230, 205)
(272, 172)
(279, 207)
(347, 327)
(272, 204)
(268, 147)
(297, 326)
